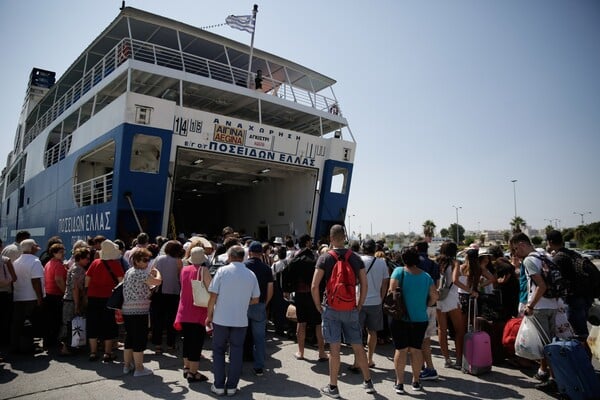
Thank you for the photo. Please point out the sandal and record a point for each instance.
(298, 356)
(158, 350)
(93, 357)
(108, 357)
(186, 371)
(197, 377)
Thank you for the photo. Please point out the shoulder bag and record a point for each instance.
(199, 290)
(115, 301)
(393, 303)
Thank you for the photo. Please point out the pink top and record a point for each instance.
(187, 311)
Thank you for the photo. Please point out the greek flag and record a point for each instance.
(241, 22)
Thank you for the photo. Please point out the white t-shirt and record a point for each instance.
(27, 267)
(375, 276)
(533, 266)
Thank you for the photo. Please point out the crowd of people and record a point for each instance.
(41, 294)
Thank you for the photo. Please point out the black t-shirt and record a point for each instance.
(264, 276)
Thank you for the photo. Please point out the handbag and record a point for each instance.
(115, 301)
(393, 303)
(78, 333)
(290, 313)
(199, 291)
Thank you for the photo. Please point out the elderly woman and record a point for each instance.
(136, 306)
(100, 279)
(190, 318)
(408, 333)
(165, 300)
(55, 275)
(74, 300)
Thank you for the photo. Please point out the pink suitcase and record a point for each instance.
(477, 353)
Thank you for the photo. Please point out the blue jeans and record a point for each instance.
(257, 322)
(222, 336)
(577, 313)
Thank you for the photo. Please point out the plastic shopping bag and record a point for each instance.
(78, 334)
(593, 341)
(529, 343)
(563, 328)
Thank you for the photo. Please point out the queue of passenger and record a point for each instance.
(267, 277)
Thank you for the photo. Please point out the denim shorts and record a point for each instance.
(337, 322)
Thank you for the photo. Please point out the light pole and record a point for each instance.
(514, 181)
(582, 214)
(457, 234)
(349, 231)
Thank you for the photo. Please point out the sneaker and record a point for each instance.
(231, 392)
(259, 371)
(428, 374)
(416, 386)
(216, 390)
(399, 388)
(549, 386)
(448, 363)
(144, 372)
(542, 377)
(331, 391)
(368, 386)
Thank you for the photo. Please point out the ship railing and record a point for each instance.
(94, 191)
(57, 152)
(170, 58)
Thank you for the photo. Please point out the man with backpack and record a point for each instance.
(340, 267)
(583, 281)
(539, 306)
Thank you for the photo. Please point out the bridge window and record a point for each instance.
(339, 180)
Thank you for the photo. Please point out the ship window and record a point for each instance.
(145, 153)
(339, 180)
(93, 176)
(142, 114)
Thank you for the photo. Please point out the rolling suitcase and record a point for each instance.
(477, 353)
(573, 370)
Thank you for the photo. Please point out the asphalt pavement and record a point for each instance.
(48, 377)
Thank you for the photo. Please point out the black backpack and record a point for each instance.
(556, 285)
(586, 282)
(301, 267)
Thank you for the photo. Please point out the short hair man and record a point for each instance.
(13, 251)
(232, 290)
(257, 313)
(371, 313)
(335, 322)
(541, 308)
(28, 291)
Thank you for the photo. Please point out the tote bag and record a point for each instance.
(199, 290)
(78, 336)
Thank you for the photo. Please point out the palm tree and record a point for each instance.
(548, 229)
(516, 224)
(444, 232)
(428, 228)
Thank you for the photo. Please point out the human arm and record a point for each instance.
(314, 288)
(154, 277)
(433, 295)
(269, 292)
(384, 287)
(11, 269)
(210, 310)
(364, 286)
(37, 287)
(456, 281)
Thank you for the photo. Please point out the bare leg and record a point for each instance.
(138, 359)
(400, 364)
(443, 333)
(426, 353)
(416, 360)
(108, 346)
(127, 357)
(193, 365)
(320, 341)
(361, 357)
(459, 321)
(372, 343)
(334, 363)
(301, 337)
(93, 345)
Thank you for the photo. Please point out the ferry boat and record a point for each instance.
(159, 126)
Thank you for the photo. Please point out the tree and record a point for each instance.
(469, 240)
(548, 229)
(444, 232)
(506, 235)
(461, 233)
(516, 224)
(536, 241)
(428, 228)
(580, 234)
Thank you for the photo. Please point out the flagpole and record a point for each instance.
(254, 11)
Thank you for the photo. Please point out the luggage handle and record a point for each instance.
(472, 328)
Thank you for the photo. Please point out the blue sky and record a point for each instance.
(448, 100)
